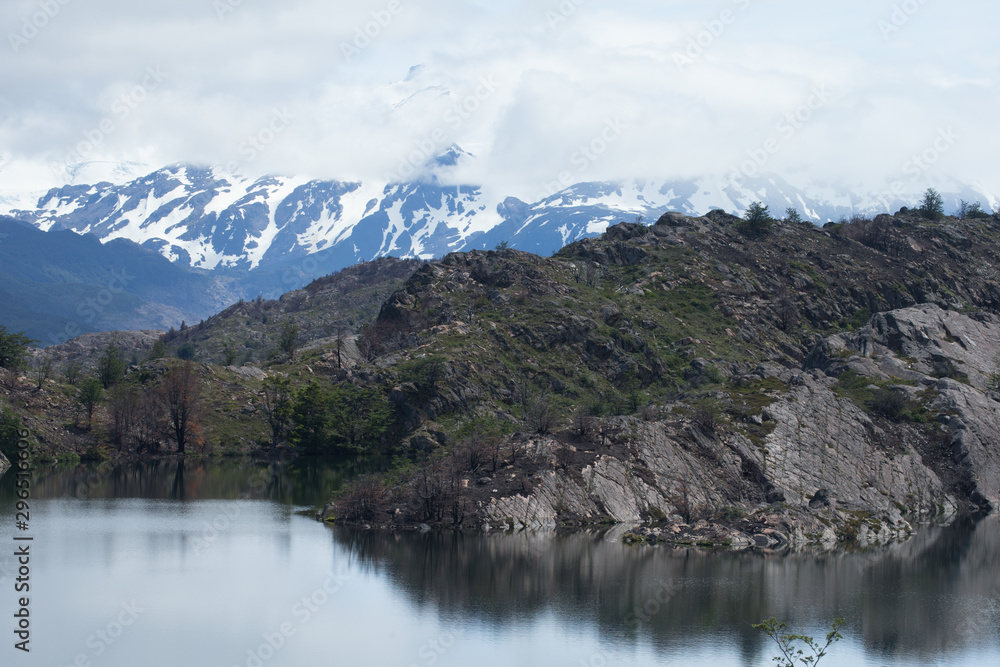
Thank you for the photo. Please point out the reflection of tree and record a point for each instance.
(910, 598)
(303, 481)
(177, 492)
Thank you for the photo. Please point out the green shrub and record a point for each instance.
(888, 403)
(10, 430)
(13, 348)
(932, 206)
(792, 215)
(757, 221)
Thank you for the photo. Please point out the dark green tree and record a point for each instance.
(277, 407)
(88, 396)
(229, 355)
(289, 340)
(10, 433)
(757, 221)
(932, 206)
(111, 366)
(792, 215)
(159, 350)
(311, 416)
(13, 348)
(359, 416)
(967, 211)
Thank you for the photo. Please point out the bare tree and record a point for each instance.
(340, 344)
(181, 395)
(608, 429)
(786, 310)
(41, 367)
(124, 408)
(149, 423)
(365, 500)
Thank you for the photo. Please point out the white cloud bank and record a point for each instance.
(855, 92)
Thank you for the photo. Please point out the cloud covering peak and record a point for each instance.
(856, 93)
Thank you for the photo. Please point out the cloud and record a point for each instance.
(699, 88)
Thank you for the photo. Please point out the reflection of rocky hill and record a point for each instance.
(927, 597)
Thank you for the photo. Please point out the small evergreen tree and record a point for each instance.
(289, 339)
(277, 405)
(359, 416)
(967, 211)
(111, 366)
(792, 215)
(932, 206)
(159, 350)
(757, 221)
(229, 355)
(89, 396)
(311, 416)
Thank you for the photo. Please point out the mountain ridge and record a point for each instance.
(205, 218)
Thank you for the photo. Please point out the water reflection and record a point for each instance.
(302, 481)
(936, 595)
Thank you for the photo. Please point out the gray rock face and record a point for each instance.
(830, 461)
(933, 343)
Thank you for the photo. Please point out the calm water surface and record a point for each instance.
(218, 564)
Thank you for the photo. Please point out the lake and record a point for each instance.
(221, 563)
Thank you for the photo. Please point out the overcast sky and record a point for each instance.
(652, 89)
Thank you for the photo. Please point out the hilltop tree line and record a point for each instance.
(757, 220)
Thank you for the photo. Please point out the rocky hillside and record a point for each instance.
(715, 384)
(815, 384)
(327, 308)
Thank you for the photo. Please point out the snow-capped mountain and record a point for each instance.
(300, 228)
